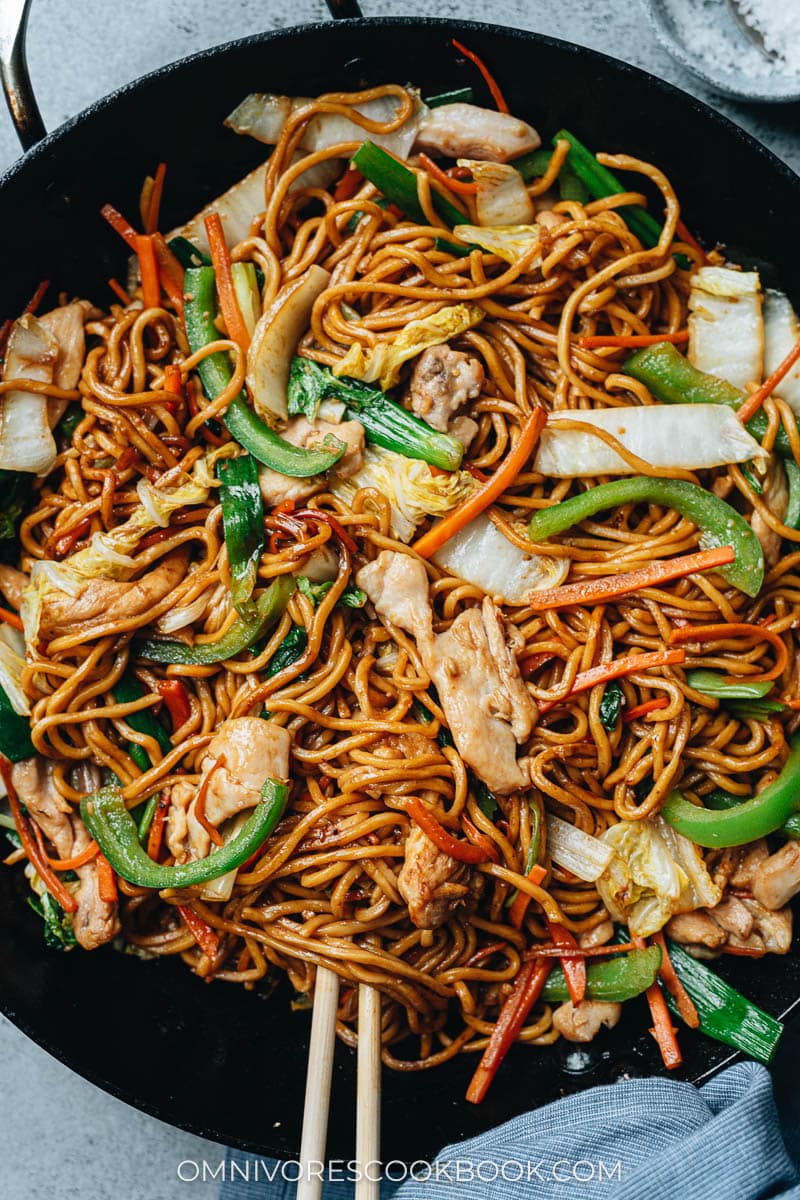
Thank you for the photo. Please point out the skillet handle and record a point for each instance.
(344, 8)
(20, 98)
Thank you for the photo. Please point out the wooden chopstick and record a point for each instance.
(368, 1095)
(318, 1083)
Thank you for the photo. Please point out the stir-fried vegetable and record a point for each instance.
(585, 856)
(725, 1014)
(611, 705)
(603, 672)
(501, 197)
(509, 242)
(243, 523)
(535, 165)
(613, 981)
(239, 636)
(726, 336)
(398, 184)
(713, 683)
(381, 363)
(481, 554)
(269, 359)
(689, 439)
(385, 422)
(111, 825)
(672, 379)
(527, 989)
(753, 819)
(718, 522)
(215, 373)
(126, 690)
(653, 874)
(781, 333)
(26, 441)
(15, 732)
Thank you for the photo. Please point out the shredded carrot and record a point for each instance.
(595, 591)
(119, 291)
(516, 914)
(11, 619)
(632, 340)
(615, 670)
(170, 272)
(723, 631)
(348, 185)
(753, 403)
(674, 986)
(173, 380)
(80, 860)
(206, 937)
(647, 706)
(154, 205)
(63, 545)
(584, 952)
(663, 1030)
(793, 704)
(503, 478)
(454, 185)
(119, 224)
(37, 297)
(743, 951)
(106, 880)
(148, 269)
(36, 857)
(532, 663)
(481, 840)
(176, 698)
(463, 851)
(491, 82)
(220, 256)
(156, 835)
(526, 991)
(200, 803)
(574, 968)
(685, 236)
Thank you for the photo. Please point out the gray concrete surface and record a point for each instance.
(61, 1136)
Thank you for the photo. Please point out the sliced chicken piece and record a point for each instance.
(777, 878)
(95, 921)
(599, 936)
(488, 708)
(774, 928)
(751, 858)
(275, 488)
(434, 886)
(583, 1023)
(467, 131)
(104, 600)
(441, 384)
(33, 782)
(695, 929)
(244, 754)
(775, 496)
(732, 916)
(12, 583)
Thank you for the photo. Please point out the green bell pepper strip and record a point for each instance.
(240, 636)
(672, 379)
(792, 515)
(243, 524)
(719, 524)
(399, 185)
(454, 248)
(748, 821)
(720, 800)
(614, 980)
(15, 732)
(534, 165)
(385, 422)
(724, 1013)
(714, 683)
(241, 421)
(114, 829)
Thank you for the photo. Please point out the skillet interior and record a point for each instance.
(218, 1060)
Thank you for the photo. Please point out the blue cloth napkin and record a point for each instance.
(639, 1139)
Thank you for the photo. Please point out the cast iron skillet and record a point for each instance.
(217, 1060)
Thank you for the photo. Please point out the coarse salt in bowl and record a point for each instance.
(712, 41)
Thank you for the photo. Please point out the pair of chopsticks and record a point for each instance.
(318, 1088)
